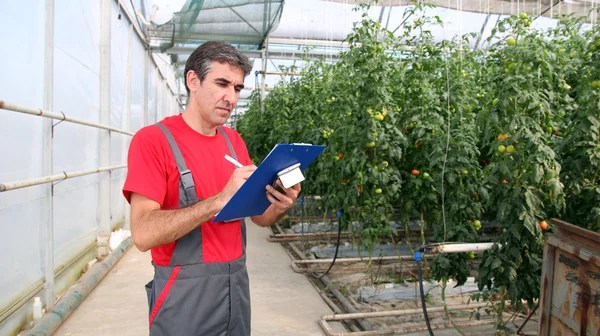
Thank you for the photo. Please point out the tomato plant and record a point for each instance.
(451, 135)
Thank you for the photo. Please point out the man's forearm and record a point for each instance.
(269, 217)
(160, 227)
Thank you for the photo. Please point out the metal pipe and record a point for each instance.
(76, 294)
(347, 305)
(156, 81)
(519, 331)
(281, 73)
(288, 237)
(346, 269)
(401, 312)
(330, 332)
(52, 178)
(456, 248)
(47, 209)
(262, 81)
(341, 298)
(341, 260)
(57, 116)
(146, 69)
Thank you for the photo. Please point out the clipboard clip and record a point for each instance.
(290, 176)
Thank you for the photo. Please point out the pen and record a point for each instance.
(232, 160)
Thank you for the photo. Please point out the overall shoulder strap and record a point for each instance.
(187, 190)
(188, 249)
(232, 150)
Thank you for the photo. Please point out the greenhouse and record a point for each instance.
(300, 167)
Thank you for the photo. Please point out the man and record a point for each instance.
(177, 181)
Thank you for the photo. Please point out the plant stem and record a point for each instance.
(407, 233)
(446, 313)
(422, 230)
(500, 320)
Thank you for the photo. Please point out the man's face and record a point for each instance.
(218, 94)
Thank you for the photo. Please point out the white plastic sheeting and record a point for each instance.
(75, 147)
(323, 20)
(76, 93)
(21, 141)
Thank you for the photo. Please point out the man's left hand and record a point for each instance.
(283, 202)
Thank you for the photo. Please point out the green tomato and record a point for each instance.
(371, 144)
(379, 117)
(465, 172)
(523, 15)
(510, 149)
(501, 149)
(425, 175)
(511, 41)
(597, 43)
(378, 191)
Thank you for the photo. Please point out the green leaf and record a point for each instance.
(496, 263)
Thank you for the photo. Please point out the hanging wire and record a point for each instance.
(447, 148)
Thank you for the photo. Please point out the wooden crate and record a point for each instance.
(570, 296)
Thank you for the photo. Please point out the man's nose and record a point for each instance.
(230, 96)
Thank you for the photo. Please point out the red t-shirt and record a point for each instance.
(152, 172)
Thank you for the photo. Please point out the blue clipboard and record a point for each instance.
(251, 199)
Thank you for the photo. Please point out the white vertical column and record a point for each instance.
(127, 118)
(104, 150)
(146, 112)
(264, 70)
(47, 217)
(156, 86)
(165, 98)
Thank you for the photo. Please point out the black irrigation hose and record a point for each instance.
(418, 258)
(337, 246)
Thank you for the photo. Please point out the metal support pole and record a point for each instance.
(163, 97)
(48, 208)
(104, 155)
(264, 52)
(146, 112)
(127, 116)
(156, 85)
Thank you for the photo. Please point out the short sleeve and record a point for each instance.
(146, 166)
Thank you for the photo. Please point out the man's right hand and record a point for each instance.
(239, 176)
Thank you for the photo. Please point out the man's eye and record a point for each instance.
(222, 84)
(238, 90)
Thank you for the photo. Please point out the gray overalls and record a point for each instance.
(190, 297)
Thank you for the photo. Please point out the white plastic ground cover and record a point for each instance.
(76, 93)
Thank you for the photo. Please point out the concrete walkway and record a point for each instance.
(283, 302)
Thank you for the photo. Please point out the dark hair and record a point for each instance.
(201, 59)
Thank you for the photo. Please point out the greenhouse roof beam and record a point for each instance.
(273, 53)
(242, 18)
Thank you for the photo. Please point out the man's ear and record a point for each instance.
(192, 80)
